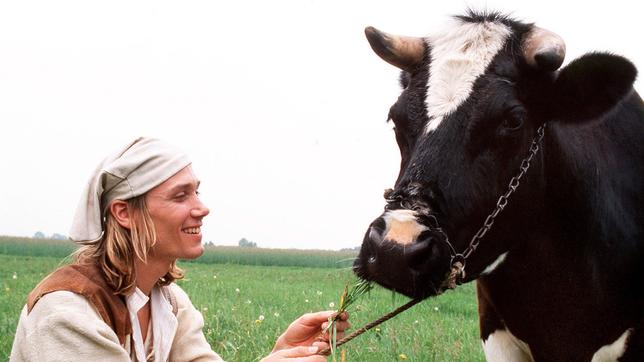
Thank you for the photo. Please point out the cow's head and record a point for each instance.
(473, 98)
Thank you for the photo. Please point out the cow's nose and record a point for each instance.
(373, 242)
(419, 253)
(375, 236)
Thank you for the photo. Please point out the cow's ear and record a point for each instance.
(592, 85)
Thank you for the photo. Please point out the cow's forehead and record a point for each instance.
(458, 55)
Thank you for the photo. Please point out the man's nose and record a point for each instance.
(200, 210)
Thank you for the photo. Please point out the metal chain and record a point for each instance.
(503, 200)
(501, 203)
(458, 260)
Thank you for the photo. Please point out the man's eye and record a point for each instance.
(180, 195)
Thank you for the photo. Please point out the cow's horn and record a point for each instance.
(543, 49)
(403, 52)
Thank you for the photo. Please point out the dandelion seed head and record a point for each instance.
(331, 305)
(261, 317)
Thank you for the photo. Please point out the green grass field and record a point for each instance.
(232, 297)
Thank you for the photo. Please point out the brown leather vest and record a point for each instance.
(88, 281)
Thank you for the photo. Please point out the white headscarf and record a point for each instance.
(133, 171)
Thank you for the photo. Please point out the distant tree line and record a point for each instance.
(54, 236)
(243, 243)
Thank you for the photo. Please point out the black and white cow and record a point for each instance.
(560, 267)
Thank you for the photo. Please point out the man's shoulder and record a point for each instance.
(62, 307)
(180, 296)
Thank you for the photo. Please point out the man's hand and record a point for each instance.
(306, 336)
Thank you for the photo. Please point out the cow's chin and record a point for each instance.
(417, 270)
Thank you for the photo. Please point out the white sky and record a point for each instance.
(281, 104)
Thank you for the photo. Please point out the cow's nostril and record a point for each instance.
(375, 235)
(418, 253)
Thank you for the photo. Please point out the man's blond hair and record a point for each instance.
(119, 247)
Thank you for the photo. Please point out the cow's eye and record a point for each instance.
(512, 124)
(513, 120)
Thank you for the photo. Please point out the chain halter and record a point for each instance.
(457, 273)
(458, 261)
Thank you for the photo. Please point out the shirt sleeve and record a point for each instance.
(63, 326)
(189, 343)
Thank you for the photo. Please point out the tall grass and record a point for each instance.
(10, 245)
(279, 257)
(13, 245)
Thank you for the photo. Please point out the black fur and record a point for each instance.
(573, 280)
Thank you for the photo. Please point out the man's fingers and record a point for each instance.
(321, 345)
(300, 351)
(340, 326)
(315, 319)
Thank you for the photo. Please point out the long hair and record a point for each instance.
(115, 253)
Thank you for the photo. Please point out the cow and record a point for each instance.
(523, 176)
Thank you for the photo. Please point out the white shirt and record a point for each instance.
(163, 324)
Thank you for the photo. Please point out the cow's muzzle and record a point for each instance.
(401, 253)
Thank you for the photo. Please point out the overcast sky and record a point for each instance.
(281, 104)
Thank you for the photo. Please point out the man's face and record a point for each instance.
(177, 213)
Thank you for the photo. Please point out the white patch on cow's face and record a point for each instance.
(611, 352)
(494, 264)
(504, 346)
(402, 227)
(459, 56)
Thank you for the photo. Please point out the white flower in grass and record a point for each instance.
(205, 309)
(237, 290)
(15, 275)
(248, 302)
(276, 314)
(436, 309)
(331, 305)
(306, 300)
(319, 292)
(261, 317)
(214, 277)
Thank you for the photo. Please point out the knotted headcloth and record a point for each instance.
(131, 172)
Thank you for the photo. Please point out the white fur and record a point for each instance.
(458, 56)
(494, 264)
(611, 352)
(402, 226)
(503, 346)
